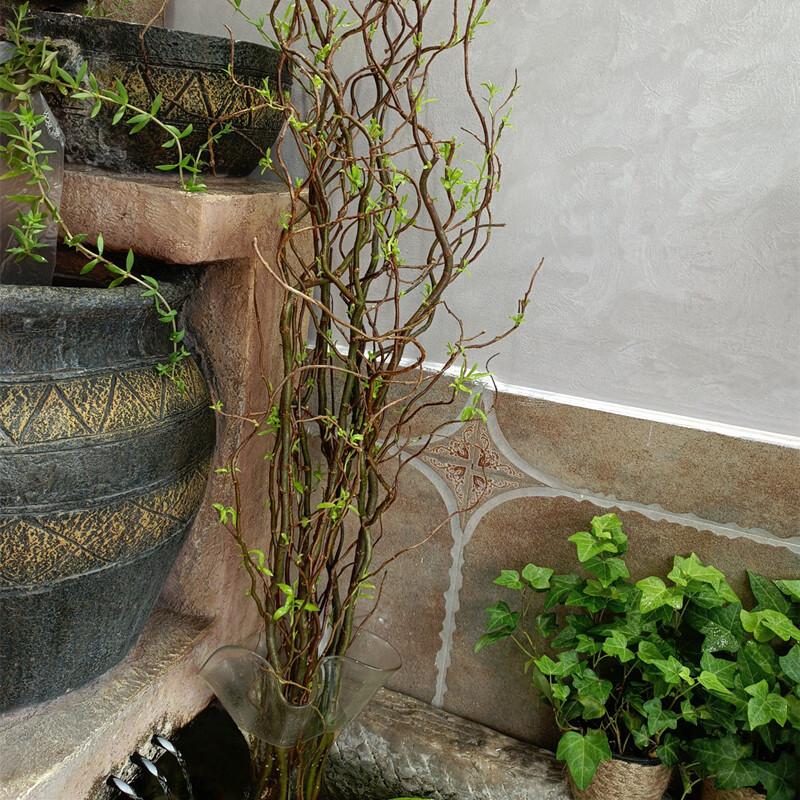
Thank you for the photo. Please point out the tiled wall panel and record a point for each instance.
(516, 487)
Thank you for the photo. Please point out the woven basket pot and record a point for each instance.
(103, 466)
(711, 793)
(188, 69)
(625, 778)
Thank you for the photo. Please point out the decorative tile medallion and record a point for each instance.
(472, 466)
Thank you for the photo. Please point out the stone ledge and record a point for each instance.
(45, 750)
(154, 217)
(399, 747)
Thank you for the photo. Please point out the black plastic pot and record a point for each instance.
(188, 69)
(103, 465)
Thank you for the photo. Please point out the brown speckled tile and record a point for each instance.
(411, 609)
(714, 477)
(490, 687)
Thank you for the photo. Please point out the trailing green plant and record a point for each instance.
(32, 69)
(607, 655)
(374, 181)
(105, 9)
(748, 708)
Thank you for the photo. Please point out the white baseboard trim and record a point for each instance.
(723, 428)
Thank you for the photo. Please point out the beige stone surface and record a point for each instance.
(152, 215)
(400, 746)
(683, 470)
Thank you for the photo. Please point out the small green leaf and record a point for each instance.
(669, 752)
(765, 706)
(790, 664)
(766, 625)
(583, 754)
(588, 547)
(768, 595)
(656, 594)
(607, 570)
(509, 578)
(659, 719)
(537, 577)
(491, 638)
(790, 589)
(501, 616)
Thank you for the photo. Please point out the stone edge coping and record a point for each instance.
(153, 216)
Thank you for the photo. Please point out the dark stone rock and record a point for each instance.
(188, 69)
(103, 465)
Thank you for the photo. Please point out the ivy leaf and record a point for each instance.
(583, 754)
(728, 759)
(537, 577)
(649, 653)
(501, 616)
(560, 588)
(546, 625)
(722, 627)
(607, 570)
(757, 662)
(491, 638)
(790, 588)
(588, 645)
(658, 718)
(790, 664)
(765, 706)
(669, 751)
(509, 578)
(588, 546)
(781, 779)
(713, 683)
(656, 594)
(724, 670)
(769, 596)
(793, 711)
(593, 693)
(688, 570)
(673, 671)
(766, 625)
(579, 599)
(616, 646)
(576, 625)
(608, 526)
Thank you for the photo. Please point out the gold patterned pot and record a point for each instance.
(188, 69)
(625, 778)
(103, 465)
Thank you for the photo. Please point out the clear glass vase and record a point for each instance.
(289, 741)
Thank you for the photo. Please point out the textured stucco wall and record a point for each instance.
(656, 167)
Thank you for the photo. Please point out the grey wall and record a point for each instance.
(656, 167)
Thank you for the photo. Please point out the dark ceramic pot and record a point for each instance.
(188, 69)
(103, 465)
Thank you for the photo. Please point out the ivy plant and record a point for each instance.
(604, 653)
(749, 711)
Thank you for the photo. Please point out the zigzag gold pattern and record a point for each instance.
(38, 549)
(36, 412)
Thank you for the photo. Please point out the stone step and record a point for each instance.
(402, 747)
